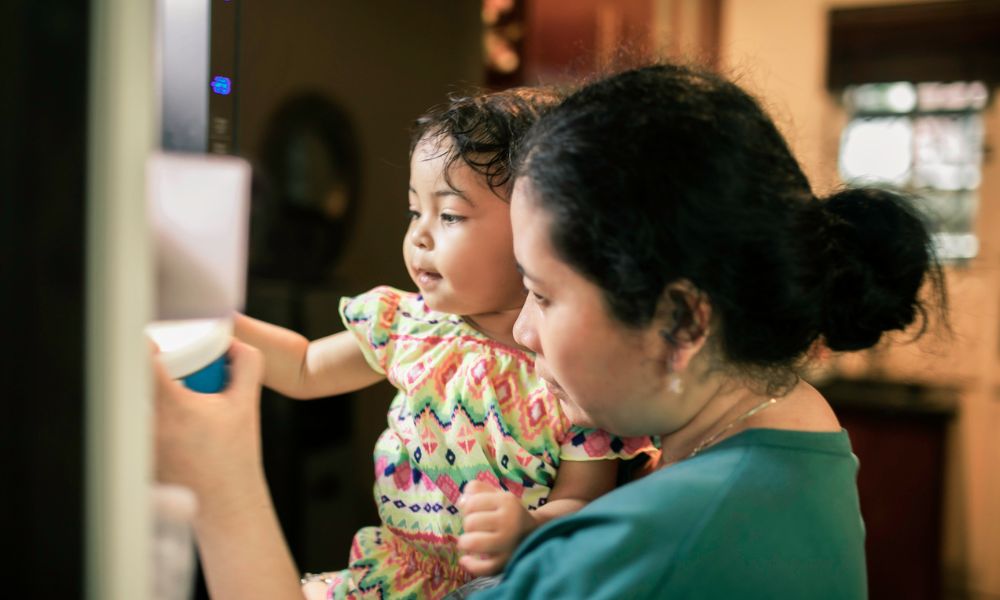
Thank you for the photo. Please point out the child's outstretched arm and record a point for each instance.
(301, 369)
(495, 522)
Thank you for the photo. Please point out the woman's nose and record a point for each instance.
(525, 332)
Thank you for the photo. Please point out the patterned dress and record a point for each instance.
(468, 408)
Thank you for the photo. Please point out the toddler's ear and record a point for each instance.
(682, 317)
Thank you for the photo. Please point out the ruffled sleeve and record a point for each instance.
(372, 318)
(583, 444)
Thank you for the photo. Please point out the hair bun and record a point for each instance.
(877, 251)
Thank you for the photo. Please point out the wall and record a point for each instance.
(777, 49)
(386, 66)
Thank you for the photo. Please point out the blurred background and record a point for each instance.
(319, 96)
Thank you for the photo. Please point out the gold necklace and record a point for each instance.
(708, 441)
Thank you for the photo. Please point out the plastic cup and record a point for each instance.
(194, 351)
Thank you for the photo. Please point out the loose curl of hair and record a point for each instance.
(484, 130)
(666, 172)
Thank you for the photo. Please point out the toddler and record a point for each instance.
(470, 406)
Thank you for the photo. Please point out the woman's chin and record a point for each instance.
(575, 415)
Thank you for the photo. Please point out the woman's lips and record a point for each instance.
(555, 389)
(543, 373)
(560, 394)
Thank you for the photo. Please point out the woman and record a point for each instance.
(680, 272)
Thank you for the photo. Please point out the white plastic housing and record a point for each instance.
(199, 213)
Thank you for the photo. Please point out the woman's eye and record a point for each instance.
(449, 219)
(539, 299)
(412, 215)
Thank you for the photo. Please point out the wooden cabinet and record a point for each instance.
(899, 435)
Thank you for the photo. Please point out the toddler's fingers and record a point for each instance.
(482, 542)
(477, 487)
(482, 565)
(480, 521)
(478, 502)
(475, 542)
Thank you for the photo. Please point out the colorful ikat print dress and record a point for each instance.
(467, 408)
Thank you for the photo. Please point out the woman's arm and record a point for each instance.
(210, 443)
(495, 522)
(242, 548)
(301, 369)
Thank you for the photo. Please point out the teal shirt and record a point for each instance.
(764, 514)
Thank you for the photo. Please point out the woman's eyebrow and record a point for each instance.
(524, 273)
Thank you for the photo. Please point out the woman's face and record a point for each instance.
(606, 374)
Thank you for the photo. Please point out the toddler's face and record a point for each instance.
(458, 248)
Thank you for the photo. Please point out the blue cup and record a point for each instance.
(210, 379)
(194, 351)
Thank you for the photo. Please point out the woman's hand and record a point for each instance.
(211, 442)
(495, 523)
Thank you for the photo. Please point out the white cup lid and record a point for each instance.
(189, 345)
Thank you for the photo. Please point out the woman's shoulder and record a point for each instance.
(689, 529)
(808, 474)
(752, 461)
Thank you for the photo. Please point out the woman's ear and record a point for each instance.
(683, 318)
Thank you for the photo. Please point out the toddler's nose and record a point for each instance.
(420, 237)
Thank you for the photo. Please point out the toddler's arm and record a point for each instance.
(301, 369)
(577, 484)
(495, 522)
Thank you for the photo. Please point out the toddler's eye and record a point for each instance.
(412, 215)
(450, 219)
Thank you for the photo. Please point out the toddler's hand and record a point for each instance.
(494, 523)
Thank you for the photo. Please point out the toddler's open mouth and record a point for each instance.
(427, 277)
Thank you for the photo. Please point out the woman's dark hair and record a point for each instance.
(665, 173)
(485, 129)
